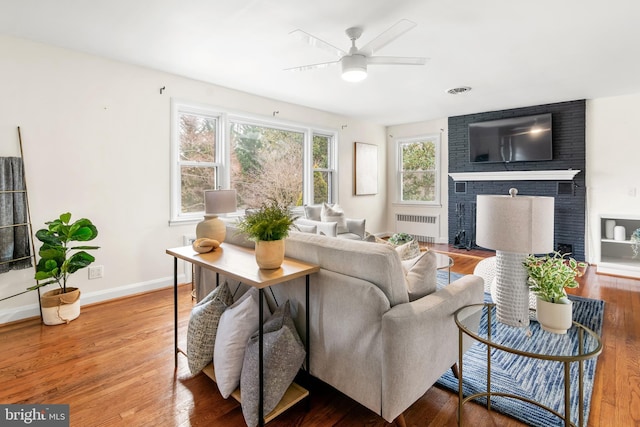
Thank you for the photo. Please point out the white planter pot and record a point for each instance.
(555, 317)
(269, 254)
(59, 308)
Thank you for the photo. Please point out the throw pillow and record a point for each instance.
(307, 228)
(203, 325)
(408, 250)
(312, 212)
(420, 274)
(283, 355)
(334, 214)
(236, 326)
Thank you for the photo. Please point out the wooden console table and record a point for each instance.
(239, 263)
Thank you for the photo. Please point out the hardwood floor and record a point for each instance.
(114, 366)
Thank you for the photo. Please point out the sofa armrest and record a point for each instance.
(356, 226)
(420, 342)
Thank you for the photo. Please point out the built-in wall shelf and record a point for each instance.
(538, 175)
(616, 256)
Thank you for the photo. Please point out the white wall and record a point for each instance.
(97, 144)
(613, 163)
(432, 127)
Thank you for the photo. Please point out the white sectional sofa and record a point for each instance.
(368, 340)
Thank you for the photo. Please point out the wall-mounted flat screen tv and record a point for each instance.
(517, 139)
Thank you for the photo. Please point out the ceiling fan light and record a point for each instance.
(354, 68)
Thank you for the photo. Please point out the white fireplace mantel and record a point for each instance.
(540, 175)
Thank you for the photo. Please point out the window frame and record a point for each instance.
(222, 167)
(400, 142)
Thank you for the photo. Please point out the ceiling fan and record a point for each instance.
(354, 62)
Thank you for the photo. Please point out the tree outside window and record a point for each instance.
(418, 174)
(266, 164)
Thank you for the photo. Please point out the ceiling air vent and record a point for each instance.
(458, 90)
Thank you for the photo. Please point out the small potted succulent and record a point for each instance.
(548, 277)
(268, 226)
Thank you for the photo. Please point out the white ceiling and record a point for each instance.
(512, 53)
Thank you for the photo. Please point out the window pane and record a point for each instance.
(266, 163)
(197, 138)
(419, 186)
(320, 152)
(321, 183)
(193, 182)
(418, 156)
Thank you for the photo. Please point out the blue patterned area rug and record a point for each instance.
(539, 380)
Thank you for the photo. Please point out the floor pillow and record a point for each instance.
(283, 355)
(203, 326)
(236, 326)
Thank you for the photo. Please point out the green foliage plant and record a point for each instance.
(551, 274)
(271, 221)
(58, 260)
(635, 242)
(400, 238)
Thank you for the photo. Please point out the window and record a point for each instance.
(266, 164)
(418, 170)
(323, 173)
(260, 159)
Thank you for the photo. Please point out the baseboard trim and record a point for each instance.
(89, 298)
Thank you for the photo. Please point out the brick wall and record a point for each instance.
(568, 134)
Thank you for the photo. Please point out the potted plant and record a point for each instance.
(635, 242)
(58, 260)
(548, 277)
(268, 226)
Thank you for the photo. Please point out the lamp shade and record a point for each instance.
(354, 68)
(520, 224)
(219, 201)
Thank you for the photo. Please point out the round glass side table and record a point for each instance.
(579, 344)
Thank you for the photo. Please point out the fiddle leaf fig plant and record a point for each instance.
(58, 259)
(551, 274)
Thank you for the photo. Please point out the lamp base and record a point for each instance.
(211, 227)
(512, 291)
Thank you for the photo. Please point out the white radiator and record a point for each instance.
(425, 228)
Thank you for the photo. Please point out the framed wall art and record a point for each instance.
(365, 169)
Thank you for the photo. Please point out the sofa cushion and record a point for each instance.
(420, 274)
(236, 326)
(203, 326)
(334, 214)
(378, 264)
(282, 358)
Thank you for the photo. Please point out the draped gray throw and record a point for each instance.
(14, 230)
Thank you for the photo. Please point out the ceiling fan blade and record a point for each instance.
(312, 66)
(395, 31)
(316, 42)
(396, 60)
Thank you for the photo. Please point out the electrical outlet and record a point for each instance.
(96, 272)
(631, 191)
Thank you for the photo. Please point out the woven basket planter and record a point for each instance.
(58, 307)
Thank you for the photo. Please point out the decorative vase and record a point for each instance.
(269, 254)
(619, 233)
(58, 307)
(211, 227)
(555, 317)
(609, 225)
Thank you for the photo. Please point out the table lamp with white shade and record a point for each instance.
(515, 226)
(216, 202)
